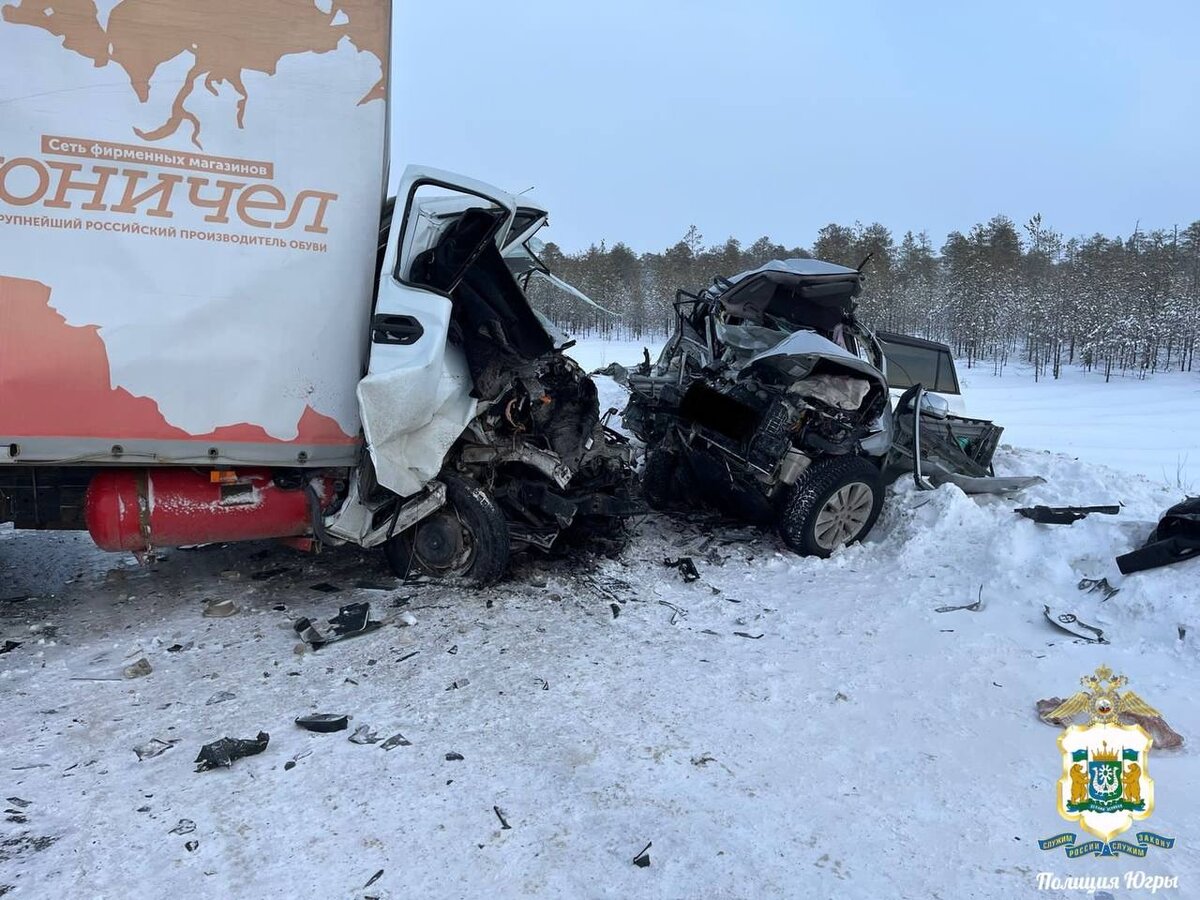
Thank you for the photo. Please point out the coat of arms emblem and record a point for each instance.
(1105, 785)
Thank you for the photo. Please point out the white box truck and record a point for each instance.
(215, 326)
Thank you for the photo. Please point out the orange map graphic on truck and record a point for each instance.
(56, 382)
(141, 35)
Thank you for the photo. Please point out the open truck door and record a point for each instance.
(417, 397)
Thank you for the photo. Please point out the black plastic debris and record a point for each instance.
(220, 697)
(9, 646)
(454, 757)
(324, 723)
(325, 587)
(351, 620)
(153, 747)
(223, 753)
(504, 826)
(396, 740)
(18, 801)
(1175, 539)
(185, 826)
(616, 609)
(191, 846)
(642, 860)
(969, 607)
(363, 734)
(374, 878)
(743, 634)
(685, 565)
(1064, 515)
(1069, 622)
(1098, 586)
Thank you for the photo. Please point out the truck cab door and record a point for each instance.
(415, 400)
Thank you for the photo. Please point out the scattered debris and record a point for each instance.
(1165, 737)
(326, 588)
(685, 565)
(374, 586)
(1176, 538)
(454, 757)
(223, 753)
(139, 669)
(270, 573)
(545, 685)
(374, 878)
(17, 801)
(642, 860)
(363, 734)
(220, 697)
(703, 760)
(504, 826)
(677, 612)
(351, 620)
(407, 618)
(185, 826)
(753, 637)
(177, 648)
(1098, 585)
(1064, 515)
(323, 723)
(969, 607)
(153, 747)
(616, 609)
(839, 696)
(408, 656)
(460, 683)
(396, 740)
(191, 846)
(9, 646)
(219, 609)
(1069, 622)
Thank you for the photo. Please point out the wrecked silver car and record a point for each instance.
(770, 401)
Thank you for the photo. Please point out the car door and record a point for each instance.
(415, 399)
(912, 360)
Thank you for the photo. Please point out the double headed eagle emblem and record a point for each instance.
(1103, 700)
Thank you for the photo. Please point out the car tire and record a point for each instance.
(658, 478)
(835, 502)
(466, 539)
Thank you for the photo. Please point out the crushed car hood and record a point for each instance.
(803, 353)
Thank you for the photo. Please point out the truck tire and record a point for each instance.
(467, 538)
(658, 478)
(835, 503)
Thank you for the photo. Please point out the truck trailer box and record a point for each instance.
(190, 197)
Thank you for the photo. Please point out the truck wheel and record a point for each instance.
(835, 503)
(467, 538)
(658, 478)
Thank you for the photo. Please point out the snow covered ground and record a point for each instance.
(781, 727)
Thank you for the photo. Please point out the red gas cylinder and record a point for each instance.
(137, 509)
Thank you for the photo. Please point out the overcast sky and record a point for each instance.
(635, 118)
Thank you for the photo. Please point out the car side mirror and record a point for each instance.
(935, 406)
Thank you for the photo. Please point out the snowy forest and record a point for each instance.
(996, 293)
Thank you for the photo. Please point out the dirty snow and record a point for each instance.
(863, 746)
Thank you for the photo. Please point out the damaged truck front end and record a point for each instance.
(515, 436)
